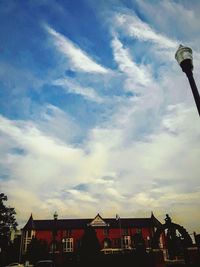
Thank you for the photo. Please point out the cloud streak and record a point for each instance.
(136, 28)
(73, 87)
(79, 59)
(138, 75)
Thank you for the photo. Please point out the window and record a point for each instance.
(116, 242)
(54, 247)
(29, 232)
(161, 242)
(125, 231)
(67, 233)
(78, 243)
(68, 245)
(106, 243)
(148, 242)
(106, 231)
(127, 241)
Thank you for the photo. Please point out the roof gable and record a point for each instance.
(98, 222)
(30, 224)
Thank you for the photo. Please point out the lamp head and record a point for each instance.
(184, 58)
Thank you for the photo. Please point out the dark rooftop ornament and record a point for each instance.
(174, 242)
(168, 220)
(55, 216)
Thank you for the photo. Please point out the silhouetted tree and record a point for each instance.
(37, 250)
(140, 256)
(90, 246)
(7, 223)
(14, 250)
(7, 218)
(139, 242)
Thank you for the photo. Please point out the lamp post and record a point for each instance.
(55, 216)
(120, 230)
(184, 58)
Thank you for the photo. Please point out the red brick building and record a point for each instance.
(64, 235)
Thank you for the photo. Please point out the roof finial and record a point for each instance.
(55, 216)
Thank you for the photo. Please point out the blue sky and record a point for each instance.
(95, 113)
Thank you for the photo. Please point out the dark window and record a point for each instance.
(54, 246)
(106, 231)
(29, 233)
(78, 243)
(116, 242)
(125, 231)
(68, 232)
(106, 243)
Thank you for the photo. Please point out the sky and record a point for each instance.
(96, 116)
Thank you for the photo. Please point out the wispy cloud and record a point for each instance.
(138, 29)
(139, 75)
(81, 196)
(73, 87)
(131, 167)
(79, 59)
(170, 16)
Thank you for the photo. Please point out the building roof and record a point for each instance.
(64, 224)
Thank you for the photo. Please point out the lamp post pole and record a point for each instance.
(185, 60)
(120, 230)
(54, 234)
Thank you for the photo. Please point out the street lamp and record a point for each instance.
(120, 230)
(55, 216)
(184, 57)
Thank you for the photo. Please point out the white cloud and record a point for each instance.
(114, 194)
(161, 155)
(79, 60)
(53, 121)
(134, 27)
(136, 170)
(73, 87)
(39, 149)
(173, 18)
(81, 196)
(138, 75)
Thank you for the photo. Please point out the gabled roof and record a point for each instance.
(30, 223)
(155, 221)
(64, 224)
(98, 221)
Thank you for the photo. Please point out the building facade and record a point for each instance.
(114, 234)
